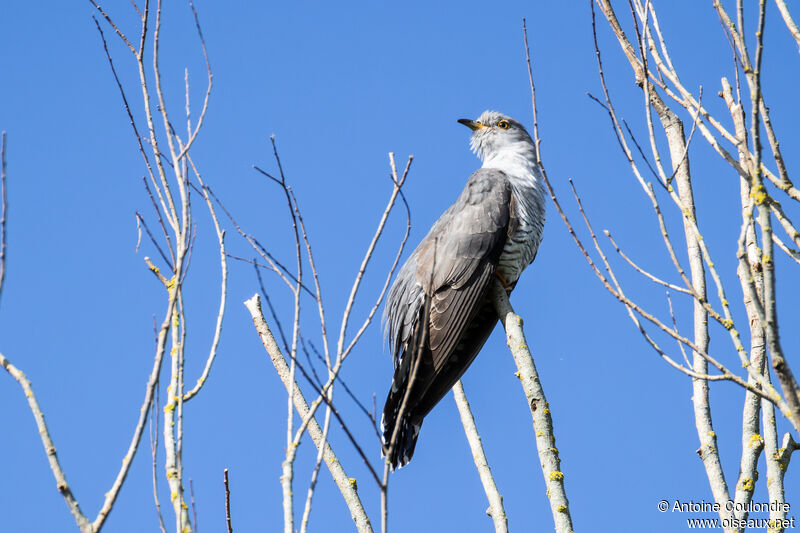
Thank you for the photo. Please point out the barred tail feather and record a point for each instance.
(407, 434)
(403, 386)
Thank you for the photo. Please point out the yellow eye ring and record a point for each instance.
(503, 125)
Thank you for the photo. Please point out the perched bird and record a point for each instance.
(438, 314)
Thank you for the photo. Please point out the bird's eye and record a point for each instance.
(503, 125)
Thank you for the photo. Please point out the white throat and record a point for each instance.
(518, 161)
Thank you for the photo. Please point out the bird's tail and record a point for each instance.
(407, 430)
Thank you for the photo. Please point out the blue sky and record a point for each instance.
(340, 86)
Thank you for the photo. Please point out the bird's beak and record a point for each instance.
(471, 124)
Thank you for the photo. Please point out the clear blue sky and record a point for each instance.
(340, 85)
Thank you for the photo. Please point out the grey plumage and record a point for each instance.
(493, 229)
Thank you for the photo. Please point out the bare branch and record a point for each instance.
(160, 222)
(496, 510)
(675, 327)
(132, 121)
(113, 25)
(49, 448)
(642, 271)
(540, 409)
(274, 264)
(775, 469)
(790, 23)
(398, 183)
(3, 208)
(140, 220)
(194, 509)
(536, 138)
(228, 503)
(153, 434)
(223, 290)
(192, 134)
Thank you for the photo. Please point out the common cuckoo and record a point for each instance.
(438, 313)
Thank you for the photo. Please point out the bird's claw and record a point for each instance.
(506, 286)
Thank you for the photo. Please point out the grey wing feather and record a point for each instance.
(403, 304)
(453, 264)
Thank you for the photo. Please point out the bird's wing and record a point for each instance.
(451, 269)
(458, 258)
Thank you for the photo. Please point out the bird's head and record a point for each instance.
(494, 132)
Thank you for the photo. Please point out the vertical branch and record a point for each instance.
(172, 416)
(755, 172)
(291, 444)
(540, 409)
(3, 207)
(153, 434)
(775, 470)
(179, 403)
(173, 315)
(228, 503)
(789, 386)
(496, 510)
(748, 269)
(708, 451)
(536, 139)
(223, 299)
(526, 370)
(752, 445)
(676, 140)
(752, 441)
(152, 383)
(194, 509)
(287, 467)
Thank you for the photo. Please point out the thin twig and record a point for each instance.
(675, 327)
(368, 255)
(140, 220)
(641, 270)
(194, 508)
(160, 222)
(223, 290)
(132, 121)
(228, 503)
(153, 433)
(4, 207)
(537, 140)
(276, 266)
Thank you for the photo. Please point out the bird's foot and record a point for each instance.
(506, 285)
